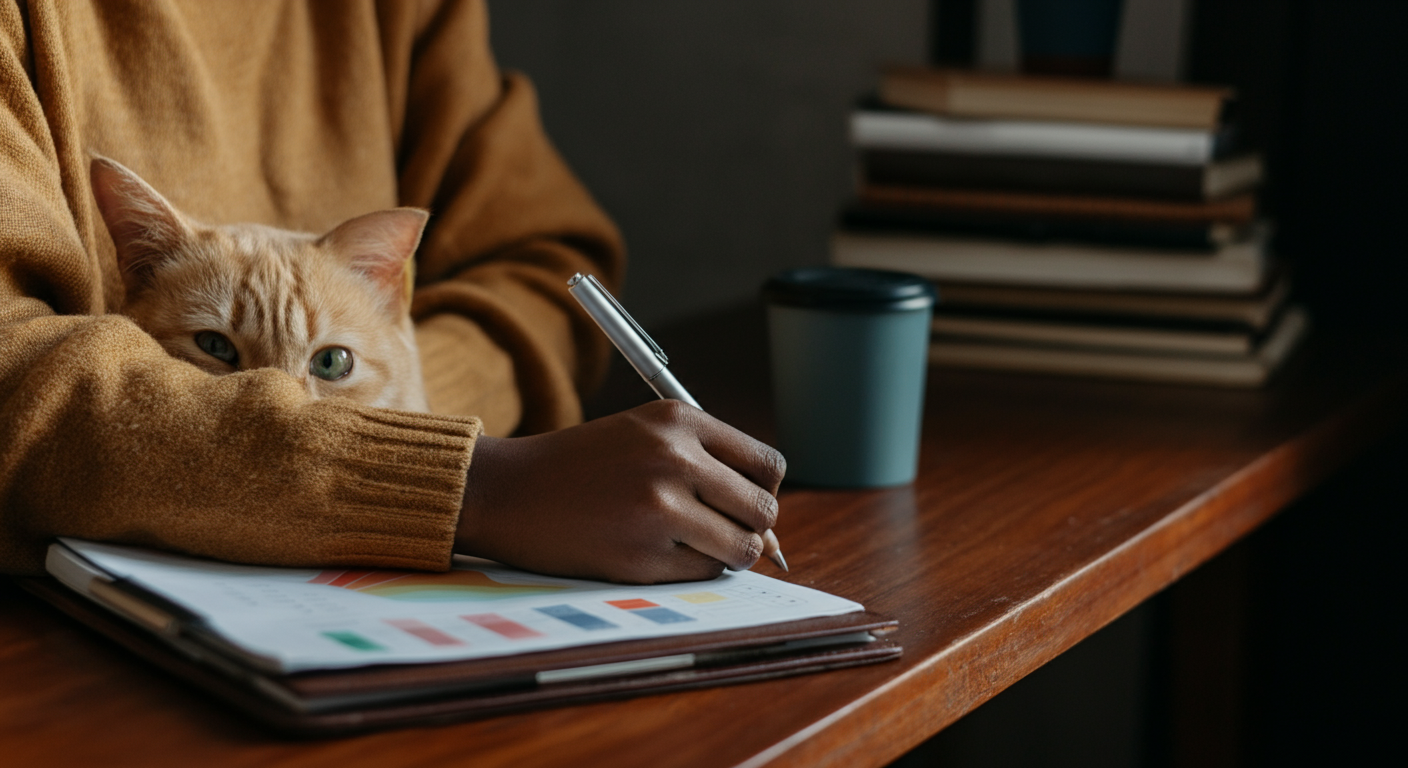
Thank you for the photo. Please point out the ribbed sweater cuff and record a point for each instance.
(399, 484)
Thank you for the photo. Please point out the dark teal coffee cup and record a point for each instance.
(849, 354)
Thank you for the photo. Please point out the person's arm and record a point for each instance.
(500, 336)
(104, 436)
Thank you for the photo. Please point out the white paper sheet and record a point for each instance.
(300, 619)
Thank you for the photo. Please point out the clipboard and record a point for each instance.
(331, 702)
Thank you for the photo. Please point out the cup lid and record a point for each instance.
(849, 288)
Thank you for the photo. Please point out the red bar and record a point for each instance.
(499, 625)
(424, 631)
(631, 605)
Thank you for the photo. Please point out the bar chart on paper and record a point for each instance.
(298, 619)
(424, 587)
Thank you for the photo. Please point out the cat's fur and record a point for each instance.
(279, 297)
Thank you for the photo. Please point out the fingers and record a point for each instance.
(738, 478)
(689, 564)
(705, 531)
(755, 460)
(674, 562)
(735, 496)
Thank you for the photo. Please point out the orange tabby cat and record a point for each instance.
(332, 311)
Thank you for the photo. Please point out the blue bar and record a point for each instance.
(662, 615)
(575, 617)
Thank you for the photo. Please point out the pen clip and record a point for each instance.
(659, 353)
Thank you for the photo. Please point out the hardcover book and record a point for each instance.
(921, 132)
(994, 95)
(1253, 311)
(956, 170)
(1151, 358)
(1238, 268)
(1132, 334)
(1178, 235)
(1240, 209)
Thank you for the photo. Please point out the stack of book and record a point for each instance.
(1072, 226)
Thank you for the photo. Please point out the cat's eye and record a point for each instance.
(217, 346)
(331, 363)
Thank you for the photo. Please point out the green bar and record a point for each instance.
(354, 641)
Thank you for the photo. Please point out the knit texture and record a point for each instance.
(297, 115)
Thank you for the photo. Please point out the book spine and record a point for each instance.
(970, 94)
(1235, 210)
(1195, 236)
(1235, 269)
(1165, 368)
(1034, 174)
(921, 132)
(1253, 312)
(1109, 336)
(1108, 321)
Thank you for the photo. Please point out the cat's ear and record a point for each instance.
(381, 245)
(144, 226)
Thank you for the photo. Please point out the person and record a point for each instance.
(299, 115)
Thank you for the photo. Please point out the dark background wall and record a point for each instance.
(713, 131)
(1324, 91)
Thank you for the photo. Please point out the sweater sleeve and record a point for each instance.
(104, 436)
(500, 336)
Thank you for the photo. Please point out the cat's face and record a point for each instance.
(330, 311)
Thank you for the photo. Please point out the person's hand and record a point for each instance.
(662, 492)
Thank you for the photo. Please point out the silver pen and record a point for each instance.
(640, 350)
(645, 356)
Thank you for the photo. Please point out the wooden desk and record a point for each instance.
(1045, 508)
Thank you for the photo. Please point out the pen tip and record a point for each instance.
(780, 560)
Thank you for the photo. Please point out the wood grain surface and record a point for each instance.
(1045, 508)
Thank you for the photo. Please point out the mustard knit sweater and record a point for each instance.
(297, 115)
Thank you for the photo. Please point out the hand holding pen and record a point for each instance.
(650, 361)
(660, 492)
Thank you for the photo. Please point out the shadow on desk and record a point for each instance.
(1284, 650)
